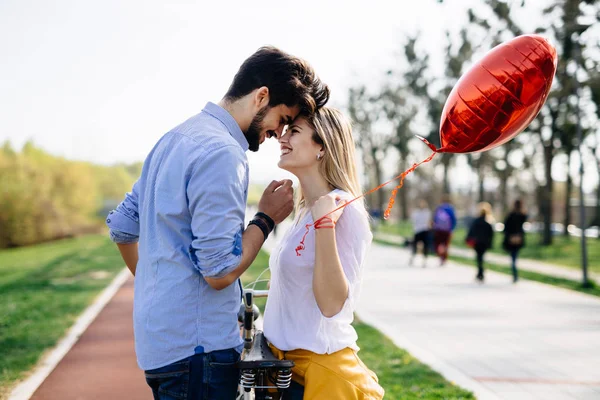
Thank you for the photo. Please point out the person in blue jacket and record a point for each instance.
(444, 222)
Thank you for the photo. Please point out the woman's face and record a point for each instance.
(298, 149)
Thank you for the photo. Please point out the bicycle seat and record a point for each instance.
(260, 356)
(242, 310)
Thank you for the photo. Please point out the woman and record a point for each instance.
(514, 235)
(481, 236)
(316, 270)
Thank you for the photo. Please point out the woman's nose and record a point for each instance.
(279, 131)
(281, 136)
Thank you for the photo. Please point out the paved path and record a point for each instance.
(102, 363)
(501, 259)
(504, 341)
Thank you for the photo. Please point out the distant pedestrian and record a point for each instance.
(444, 222)
(481, 236)
(421, 221)
(514, 235)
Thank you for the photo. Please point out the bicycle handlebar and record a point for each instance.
(257, 293)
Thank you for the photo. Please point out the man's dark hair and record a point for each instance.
(518, 205)
(291, 80)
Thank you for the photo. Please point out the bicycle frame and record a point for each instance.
(257, 368)
(249, 325)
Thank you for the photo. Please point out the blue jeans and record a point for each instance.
(513, 255)
(204, 376)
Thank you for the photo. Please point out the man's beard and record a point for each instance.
(255, 128)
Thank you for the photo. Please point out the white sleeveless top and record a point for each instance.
(292, 318)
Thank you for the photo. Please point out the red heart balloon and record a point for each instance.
(499, 96)
(492, 102)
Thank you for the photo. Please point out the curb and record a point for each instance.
(25, 389)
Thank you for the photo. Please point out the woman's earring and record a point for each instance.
(318, 157)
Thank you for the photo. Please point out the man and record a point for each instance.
(187, 210)
(444, 222)
(421, 221)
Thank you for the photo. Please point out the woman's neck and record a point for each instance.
(313, 186)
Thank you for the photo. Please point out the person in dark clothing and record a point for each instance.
(514, 235)
(481, 235)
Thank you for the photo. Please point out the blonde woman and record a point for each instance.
(481, 234)
(314, 286)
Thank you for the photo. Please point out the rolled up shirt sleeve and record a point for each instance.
(124, 221)
(217, 199)
(122, 237)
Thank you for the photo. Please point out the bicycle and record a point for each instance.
(260, 370)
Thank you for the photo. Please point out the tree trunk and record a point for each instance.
(368, 174)
(377, 168)
(504, 182)
(546, 197)
(502, 191)
(597, 216)
(567, 220)
(481, 176)
(446, 164)
(403, 192)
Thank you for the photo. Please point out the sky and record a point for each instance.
(103, 80)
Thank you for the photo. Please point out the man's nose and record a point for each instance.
(279, 131)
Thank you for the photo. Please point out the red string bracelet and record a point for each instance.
(318, 224)
(324, 223)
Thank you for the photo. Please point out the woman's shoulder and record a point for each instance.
(355, 212)
(356, 207)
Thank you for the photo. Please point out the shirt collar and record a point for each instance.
(226, 119)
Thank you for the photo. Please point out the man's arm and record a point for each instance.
(252, 241)
(129, 252)
(277, 203)
(221, 250)
(124, 226)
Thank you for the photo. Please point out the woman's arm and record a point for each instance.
(329, 281)
(330, 284)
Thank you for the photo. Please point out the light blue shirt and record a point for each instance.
(187, 209)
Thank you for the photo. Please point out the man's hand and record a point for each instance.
(277, 200)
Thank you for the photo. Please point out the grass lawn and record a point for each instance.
(43, 289)
(402, 376)
(564, 251)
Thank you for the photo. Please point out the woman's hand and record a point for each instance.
(325, 204)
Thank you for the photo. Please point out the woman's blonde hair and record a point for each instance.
(333, 131)
(485, 210)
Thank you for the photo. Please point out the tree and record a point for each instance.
(365, 111)
(456, 59)
(552, 124)
(400, 100)
(45, 197)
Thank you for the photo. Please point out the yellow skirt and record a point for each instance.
(341, 375)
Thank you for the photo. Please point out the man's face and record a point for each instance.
(269, 122)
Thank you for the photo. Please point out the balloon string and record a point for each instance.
(386, 214)
(300, 247)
